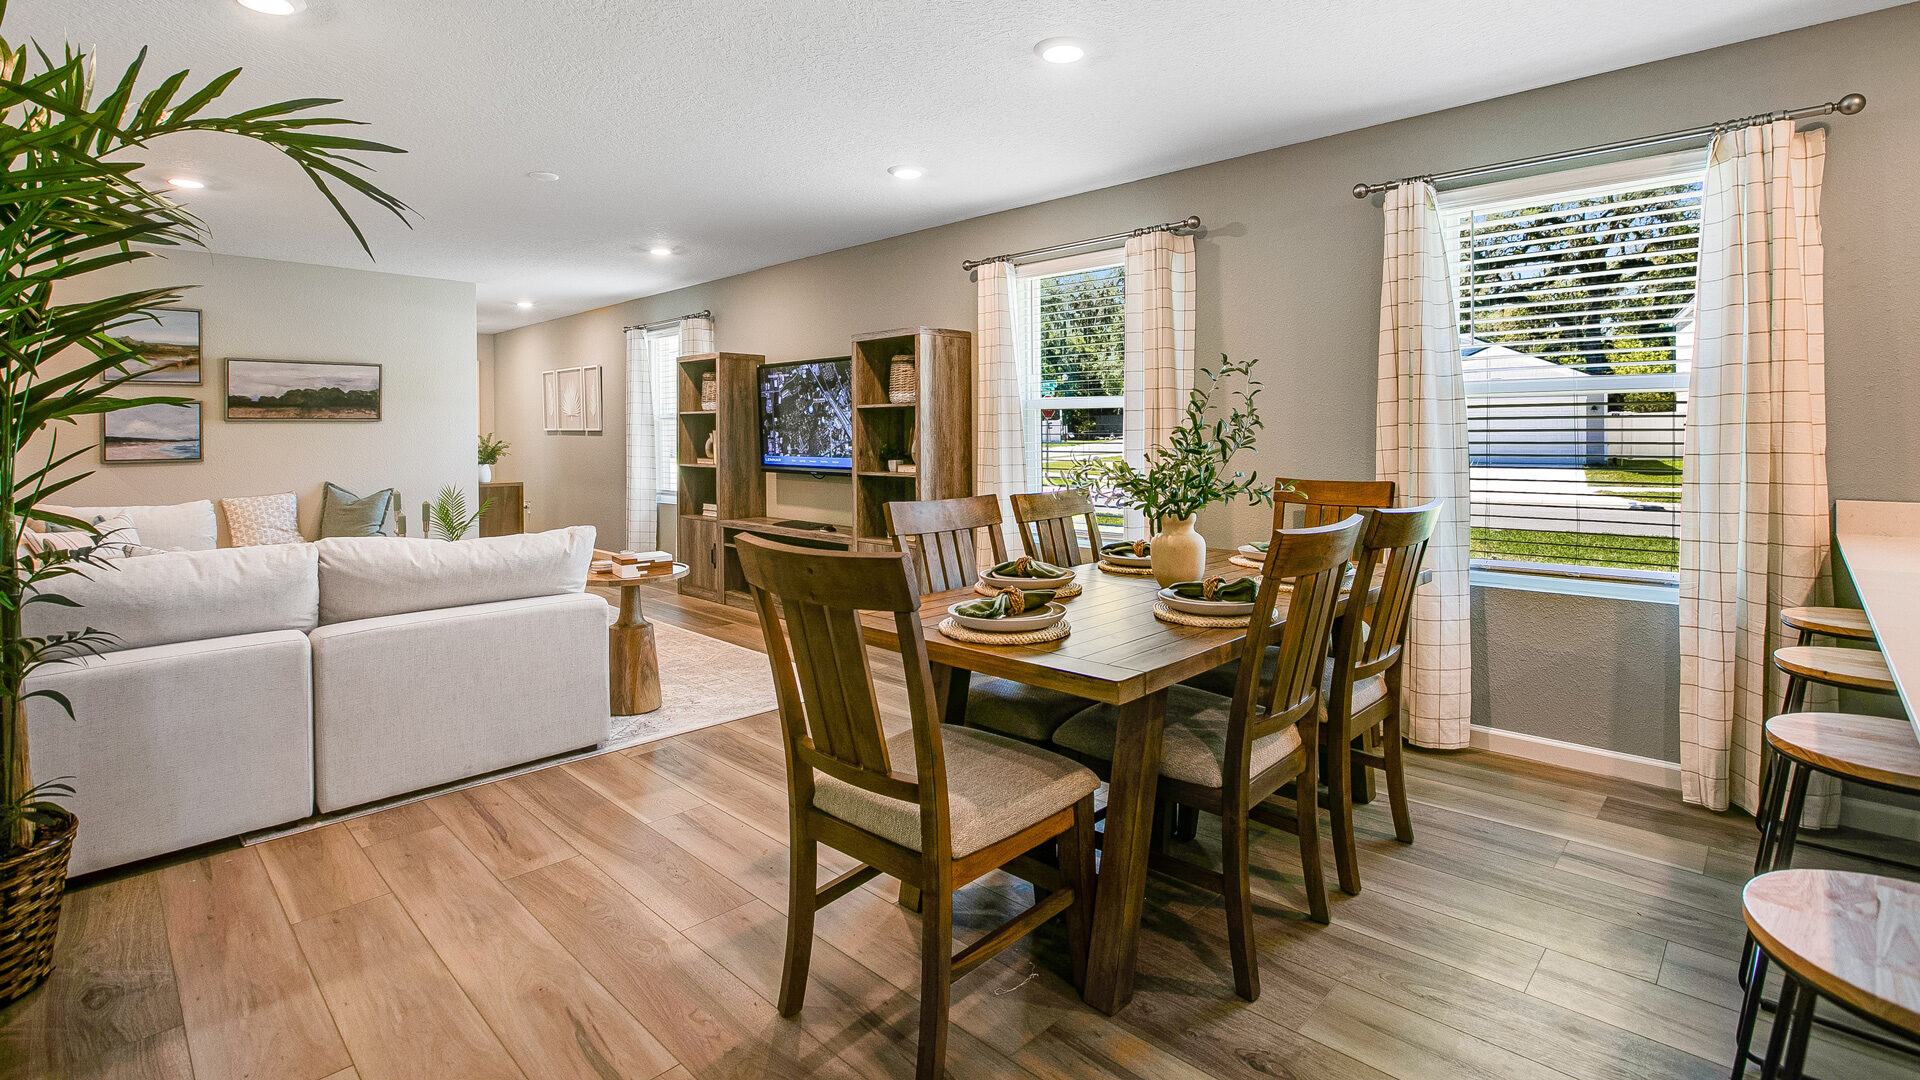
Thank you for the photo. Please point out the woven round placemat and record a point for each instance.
(952, 628)
(1211, 622)
(1071, 590)
(1125, 571)
(1246, 561)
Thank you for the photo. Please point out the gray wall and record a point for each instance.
(420, 330)
(1289, 272)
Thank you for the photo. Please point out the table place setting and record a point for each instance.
(1128, 558)
(1010, 617)
(1212, 603)
(1028, 573)
(1252, 556)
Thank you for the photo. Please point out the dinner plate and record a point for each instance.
(1012, 624)
(1026, 584)
(1251, 551)
(1203, 607)
(1128, 560)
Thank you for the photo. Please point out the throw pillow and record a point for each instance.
(263, 519)
(116, 538)
(342, 513)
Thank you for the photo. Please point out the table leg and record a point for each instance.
(1123, 857)
(633, 663)
(950, 692)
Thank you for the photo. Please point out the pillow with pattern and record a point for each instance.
(263, 519)
(117, 539)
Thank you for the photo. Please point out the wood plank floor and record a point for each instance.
(622, 916)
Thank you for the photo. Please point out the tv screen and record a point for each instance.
(806, 415)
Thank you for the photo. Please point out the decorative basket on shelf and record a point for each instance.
(31, 885)
(903, 381)
(709, 392)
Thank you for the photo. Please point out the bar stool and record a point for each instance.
(1871, 750)
(1854, 669)
(1849, 938)
(1844, 623)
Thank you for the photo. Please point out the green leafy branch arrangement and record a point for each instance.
(1193, 470)
(492, 449)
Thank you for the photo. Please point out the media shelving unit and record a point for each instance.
(937, 429)
(732, 479)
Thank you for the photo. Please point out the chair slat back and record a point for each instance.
(940, 537)
(1393, 546)
(1046, 520)
(829, 716)
(1312, 503)
(1314, 562)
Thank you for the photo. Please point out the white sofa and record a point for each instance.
(250, 687)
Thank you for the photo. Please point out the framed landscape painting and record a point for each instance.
(148, 433)
(302, 390)
(168, 344)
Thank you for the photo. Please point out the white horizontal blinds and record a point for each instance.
(1075, 318)
(1576, 315)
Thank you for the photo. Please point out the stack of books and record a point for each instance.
(628, 564)
(709, 510)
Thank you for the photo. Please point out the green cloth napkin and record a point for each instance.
(1238, 591)
(1125, 547)
(1001, 605)
(1260, 545)
(1027, 567)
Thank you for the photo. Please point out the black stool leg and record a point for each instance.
(1799, 1029)
(1773, 793)
(1753, 975)
(1797, 777)
(1777, 1041)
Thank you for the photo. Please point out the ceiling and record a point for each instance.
(744, 133)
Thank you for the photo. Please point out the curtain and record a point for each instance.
(1158, 363)
(696, 337)
(1753, 509)
(651, 432)
(1006, 390)
(1420, 443)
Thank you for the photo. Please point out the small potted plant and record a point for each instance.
(1191, 472)
(491, 451)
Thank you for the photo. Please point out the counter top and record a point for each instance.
(1880, 542)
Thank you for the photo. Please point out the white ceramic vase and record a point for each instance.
(486, 474)
(1179, 552)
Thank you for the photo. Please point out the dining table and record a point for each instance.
(1118, 653)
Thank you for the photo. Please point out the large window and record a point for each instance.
(1074, 318)
(1576, 327)
(663, 357)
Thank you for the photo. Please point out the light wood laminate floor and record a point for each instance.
(621, 916)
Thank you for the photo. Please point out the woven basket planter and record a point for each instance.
(31, 885)
(903, 381)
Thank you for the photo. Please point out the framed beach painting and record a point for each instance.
(302, 390)
(150, 433)
(550, 399)
(168, 345)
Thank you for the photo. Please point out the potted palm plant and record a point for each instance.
(1191, 472)
(73, 202)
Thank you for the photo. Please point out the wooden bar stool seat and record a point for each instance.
(1871, 750)
(1858, 669)
(1853, 939)
(1849, 624)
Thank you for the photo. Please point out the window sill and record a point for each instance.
(1638, 592)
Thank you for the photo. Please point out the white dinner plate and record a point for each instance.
(1128, 560)
(1025, 584)
(1012, 624)
(1203, 607)
(1252, 552)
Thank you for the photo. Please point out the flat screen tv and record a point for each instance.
(806, 415)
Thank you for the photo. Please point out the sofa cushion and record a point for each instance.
(342, 513)
(367, 577)
(263, 519)
(188, 526)
(187, 596)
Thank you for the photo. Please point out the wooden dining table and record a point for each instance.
(1118, 653)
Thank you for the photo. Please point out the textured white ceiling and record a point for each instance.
(749, 132)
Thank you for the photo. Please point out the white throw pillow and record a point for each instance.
(116, 538)
(263, 519)
(366, 577)
(188, 526)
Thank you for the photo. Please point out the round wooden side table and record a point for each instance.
(633, 662)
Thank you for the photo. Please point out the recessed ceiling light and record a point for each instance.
(1060, 51)
(544, 177)
(523, 304)
(275, 7)
(906, 172)
(660, 249)
(187, 182)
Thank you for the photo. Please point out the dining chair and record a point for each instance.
(1227, 755)
(940, 536)
(934, 806)
(1323, 502)
(1047, 521)
(1364, 678)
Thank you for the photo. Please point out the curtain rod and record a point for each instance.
(703, 313)
(1846, 106)
(1186, 224)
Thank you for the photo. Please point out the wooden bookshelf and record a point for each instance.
(936, 430)
(732, 480)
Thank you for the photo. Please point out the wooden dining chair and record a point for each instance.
(1047, 521)
(941, 538)
(934, 806)
(1363, 682)
(1323, 502)
(1227, 755)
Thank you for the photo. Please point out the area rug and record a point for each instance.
(703, 681)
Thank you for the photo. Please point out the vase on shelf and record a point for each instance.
(486, 474)
(1179, 552)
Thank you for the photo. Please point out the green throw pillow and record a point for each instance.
(342, 513)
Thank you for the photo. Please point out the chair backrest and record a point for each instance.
(939, 535)
(1393, 546)
(1323, 502)
(1046, 520)
(829, 716)
(1314, 562)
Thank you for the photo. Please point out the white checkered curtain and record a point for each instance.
(1158, 364)
(1006, 391)
(696, 337)
(1421, 444)
(1753, 506)
(643, 485)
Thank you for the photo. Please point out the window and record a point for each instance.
(1074, 318)
(1576, 331)
(663, 357)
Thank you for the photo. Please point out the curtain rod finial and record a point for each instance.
(1851, 104)
(1361, 191)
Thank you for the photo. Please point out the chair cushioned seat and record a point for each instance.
(995, 788)
(1366, 693)
(1193, 745)
(1015, 709)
